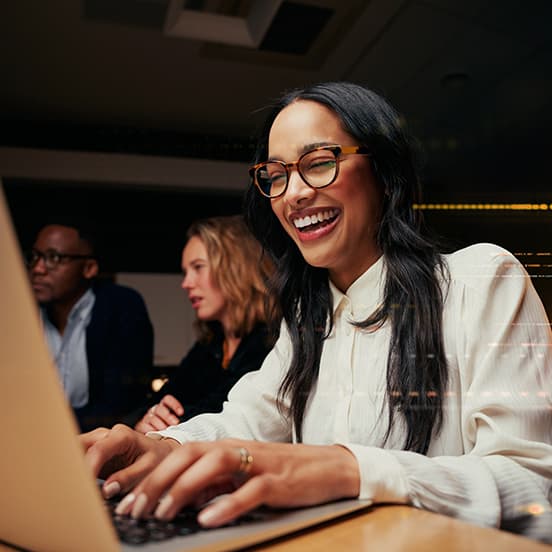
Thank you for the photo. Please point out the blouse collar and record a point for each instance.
(364, 295)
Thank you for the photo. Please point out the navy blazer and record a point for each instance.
(119, 348)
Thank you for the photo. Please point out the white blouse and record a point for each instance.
(491, 464)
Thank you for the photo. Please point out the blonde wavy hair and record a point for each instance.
(239, 269)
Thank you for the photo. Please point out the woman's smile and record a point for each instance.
(314, 223)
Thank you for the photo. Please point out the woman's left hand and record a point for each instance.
(250, 472)
(161, 415)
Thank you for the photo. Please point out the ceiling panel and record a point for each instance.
(412, 39)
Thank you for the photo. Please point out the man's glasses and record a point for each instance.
(318, 168)
(52, 258)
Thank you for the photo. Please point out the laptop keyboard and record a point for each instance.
(140, 531)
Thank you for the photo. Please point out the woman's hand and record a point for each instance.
(252, 473)
(122, 456)
(161, 415)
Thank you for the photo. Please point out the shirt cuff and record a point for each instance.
(164, 434)
(382, 478)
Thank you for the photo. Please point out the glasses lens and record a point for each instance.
(318, 167)
(52, 259)
(31, 258)
(271, 178)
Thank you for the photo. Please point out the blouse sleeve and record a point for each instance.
(504, 353)
(251, 411)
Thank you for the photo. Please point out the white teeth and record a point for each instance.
(314, 219)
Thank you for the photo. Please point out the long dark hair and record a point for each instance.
(417, 371)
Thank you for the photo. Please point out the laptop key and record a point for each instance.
(159, 531)
(136, 534)
(140, 531)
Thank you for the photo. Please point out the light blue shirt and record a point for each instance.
(69, 349)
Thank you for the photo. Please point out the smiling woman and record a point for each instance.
(345, 243)
(400, 374)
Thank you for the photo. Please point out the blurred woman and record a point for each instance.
(225, 275)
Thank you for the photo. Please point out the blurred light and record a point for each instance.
(483, 206)
(157, 383)
(535, 509)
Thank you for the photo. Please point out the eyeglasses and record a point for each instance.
(52, 258)
(318, 168)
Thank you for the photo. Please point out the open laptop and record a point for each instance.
(49, 499)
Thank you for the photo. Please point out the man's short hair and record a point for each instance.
(85, 229)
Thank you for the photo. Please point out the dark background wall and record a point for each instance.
(472, 78)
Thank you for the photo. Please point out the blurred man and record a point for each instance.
(100, 335)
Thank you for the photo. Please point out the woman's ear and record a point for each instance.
(91, 269)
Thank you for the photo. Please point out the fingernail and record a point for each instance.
(164, 506)
(111, 489)
(139, 505)
(125, 504)
(209, 516)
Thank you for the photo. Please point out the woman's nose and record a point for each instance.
(297, 189)
(186, 282)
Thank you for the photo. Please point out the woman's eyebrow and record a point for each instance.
(197, 260)
(305, 148)
(308, 147)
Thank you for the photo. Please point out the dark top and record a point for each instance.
(119, 348)
(200, 382)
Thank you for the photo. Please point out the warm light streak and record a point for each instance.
(482, 206)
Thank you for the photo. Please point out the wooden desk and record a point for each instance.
(400, 528)
(394, 529)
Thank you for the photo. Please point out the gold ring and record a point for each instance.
(246, 461)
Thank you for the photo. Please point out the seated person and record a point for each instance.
(224, 277)
(100, 335)
(401, 374)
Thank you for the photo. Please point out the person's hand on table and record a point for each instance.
(161, 415)
(248, 473)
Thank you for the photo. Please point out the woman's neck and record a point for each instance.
(342, 279)
(229, 347)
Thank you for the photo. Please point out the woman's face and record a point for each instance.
(206, 299)
(345, 242)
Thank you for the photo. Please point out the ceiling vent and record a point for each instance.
(270, 25)
(295, 28)
(226, 29)
(285, 32)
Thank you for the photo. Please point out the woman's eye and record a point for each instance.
(275, 176)
(321, 164)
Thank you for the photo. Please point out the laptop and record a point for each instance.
(49, 499)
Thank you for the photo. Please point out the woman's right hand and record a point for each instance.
(160, 416)
(122, 456)
(244, 475)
